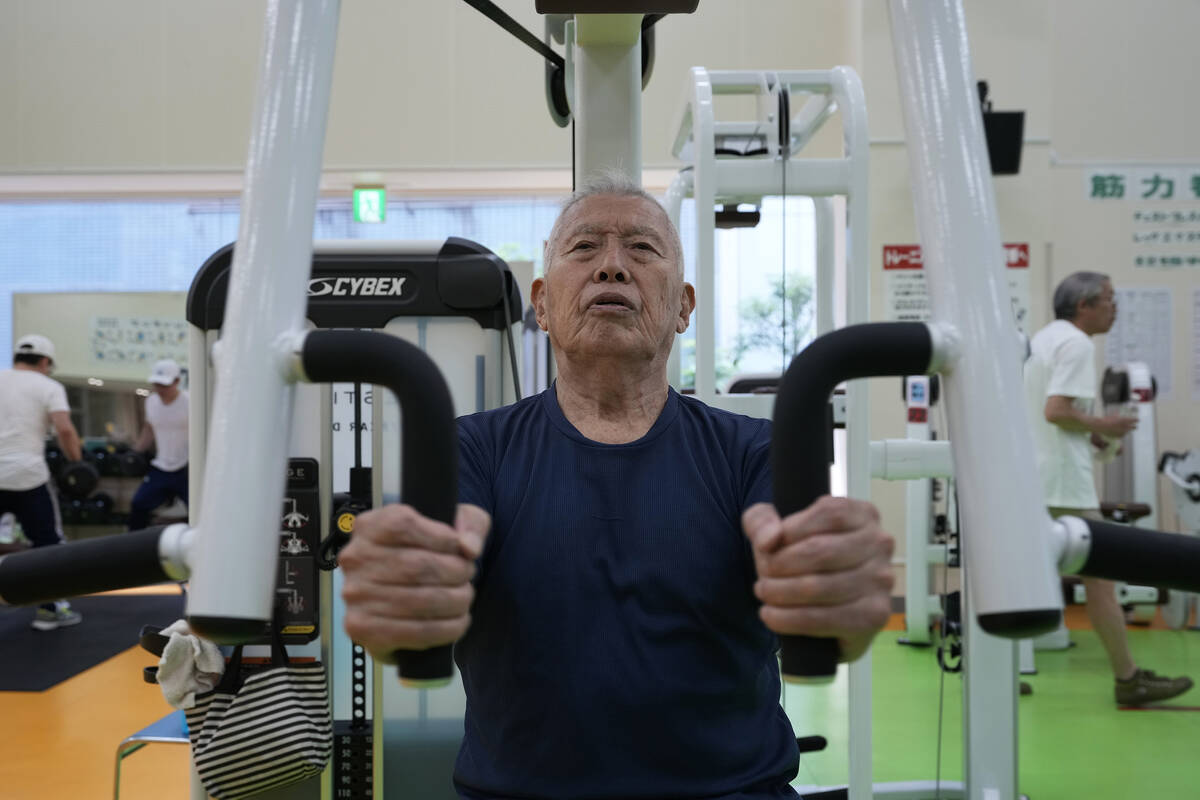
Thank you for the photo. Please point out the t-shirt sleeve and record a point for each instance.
(56, 398)
(1073, 372)
(474, 468)
(756, 471)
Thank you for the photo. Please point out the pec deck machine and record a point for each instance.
(276, 317)
(454, 301)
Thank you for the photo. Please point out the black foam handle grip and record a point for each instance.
(429, 442)
(100, 564)
(801, 428)
(1141, 556)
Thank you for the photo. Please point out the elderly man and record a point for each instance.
(1060, 388)
(616, 633)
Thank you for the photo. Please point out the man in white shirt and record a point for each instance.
(166, 430)
(1060, 389)
(31, 403)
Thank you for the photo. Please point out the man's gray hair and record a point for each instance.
(612, 182)
(1078, 286)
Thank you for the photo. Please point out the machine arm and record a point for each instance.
(140, 558)
(1100, 549)
(800, 454)
(429, 455)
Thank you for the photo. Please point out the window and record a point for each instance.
(755, 270)
(111, 246)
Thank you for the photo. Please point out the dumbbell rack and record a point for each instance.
(97, 505)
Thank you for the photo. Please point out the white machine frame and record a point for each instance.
(1183, 472)
(921, 606)
(709, 180)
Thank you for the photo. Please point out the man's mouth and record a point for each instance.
(611, 301)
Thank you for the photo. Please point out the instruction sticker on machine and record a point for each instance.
(906, 295)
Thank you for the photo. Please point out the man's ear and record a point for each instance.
(687, 304)
(537, 297)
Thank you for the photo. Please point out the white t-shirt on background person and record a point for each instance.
(27, 398)
(170, 424)
(1062, 361)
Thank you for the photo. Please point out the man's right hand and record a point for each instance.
(407, 578)
(1114, 425)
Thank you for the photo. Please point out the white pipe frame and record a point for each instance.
(911, 459)
(233, 568)
(1008, 565)
(956, 214)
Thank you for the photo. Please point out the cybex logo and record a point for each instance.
(356, 287)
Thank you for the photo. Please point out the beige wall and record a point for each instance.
(155, 85)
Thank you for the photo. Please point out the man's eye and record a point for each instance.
(644, 246)
(582, 246)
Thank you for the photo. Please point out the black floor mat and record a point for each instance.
(33, 661)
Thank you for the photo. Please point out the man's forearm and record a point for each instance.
(1076, 422)
(68, 440)
(1067, 416)
(145, 440)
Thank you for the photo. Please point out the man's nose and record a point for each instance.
(611, 266)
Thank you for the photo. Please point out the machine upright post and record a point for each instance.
(848, 92)
(681, 187)
(704, 190)
(826, 228)
(608, 94)
(917, 520)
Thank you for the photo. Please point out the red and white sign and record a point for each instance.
(1017, 255)
(908, 256)
(902, 256)
(907, 296)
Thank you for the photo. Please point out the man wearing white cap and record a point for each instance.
(31, 403)
(166, 430)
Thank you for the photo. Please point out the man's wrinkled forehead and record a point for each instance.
(598, 213)
(625, 230)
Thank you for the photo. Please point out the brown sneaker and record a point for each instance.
(1146, 687)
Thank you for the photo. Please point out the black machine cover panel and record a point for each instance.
(366, 290)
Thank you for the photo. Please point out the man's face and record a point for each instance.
(164, 390)
(613, 285)
(1099, 315)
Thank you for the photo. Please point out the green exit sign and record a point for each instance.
(370, 204)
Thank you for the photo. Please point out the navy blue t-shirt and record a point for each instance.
(615, 649)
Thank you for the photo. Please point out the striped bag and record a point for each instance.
(261, 727)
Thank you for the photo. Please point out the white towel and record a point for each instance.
(188, 665)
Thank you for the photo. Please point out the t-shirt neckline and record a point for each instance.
(670, 411)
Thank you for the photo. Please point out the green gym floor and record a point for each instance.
(1074, 741)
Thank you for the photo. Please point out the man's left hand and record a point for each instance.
(825, 571)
